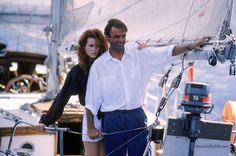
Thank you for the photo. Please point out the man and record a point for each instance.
(117, 84)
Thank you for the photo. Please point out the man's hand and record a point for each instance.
(93, 133)
(182, 48)
(198, 44)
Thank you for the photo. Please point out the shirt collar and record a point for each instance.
(109, 57)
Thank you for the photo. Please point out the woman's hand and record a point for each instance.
(41, 126)
(142, 45)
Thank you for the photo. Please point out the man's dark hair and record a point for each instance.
(114, 23)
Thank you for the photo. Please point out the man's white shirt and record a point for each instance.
(121, 85)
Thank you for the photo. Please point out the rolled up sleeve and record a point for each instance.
(93, 97)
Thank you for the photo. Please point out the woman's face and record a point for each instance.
(92, 47)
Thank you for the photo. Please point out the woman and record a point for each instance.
(91, 45)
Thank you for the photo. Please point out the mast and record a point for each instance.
(52, 60)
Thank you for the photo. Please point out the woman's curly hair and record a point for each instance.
(82, 56)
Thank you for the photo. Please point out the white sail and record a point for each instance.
(162, 19)
(74, 16)
(146, 19)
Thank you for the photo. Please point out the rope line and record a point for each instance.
(126, 142)
(124, 131)
(117, 132)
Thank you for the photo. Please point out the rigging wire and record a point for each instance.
(177, 22)
(185, 27)
(116, 13)
(174, 85)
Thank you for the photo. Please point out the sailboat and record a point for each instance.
(156, 22)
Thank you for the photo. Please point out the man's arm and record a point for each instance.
(93, 133)
(179, 49)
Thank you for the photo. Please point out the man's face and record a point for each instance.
(117, 39)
